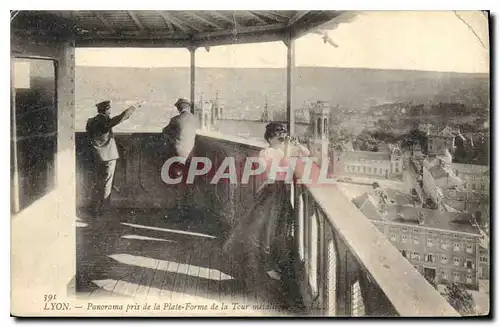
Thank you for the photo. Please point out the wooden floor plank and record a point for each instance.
(171, 276)
(157, 282)
(176, 274)
(145, 282)
(204, 277)
(193, 271)
(146, 268)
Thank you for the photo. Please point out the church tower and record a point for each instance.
(319, 136)
(204, 112)
(218, 107)
(266, 114)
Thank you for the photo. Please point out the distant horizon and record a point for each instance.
(282, 68)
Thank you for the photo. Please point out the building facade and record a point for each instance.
(457, 187)
(444, 247)
(438, 141)
(382, 165)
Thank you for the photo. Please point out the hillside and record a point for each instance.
(244, 90)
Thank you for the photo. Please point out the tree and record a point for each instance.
(460, 299)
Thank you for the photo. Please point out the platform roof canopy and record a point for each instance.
(163, 28)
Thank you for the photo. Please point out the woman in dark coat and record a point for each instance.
(257, 244)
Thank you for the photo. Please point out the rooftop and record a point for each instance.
(471, 169)
(438, 172)
(451, 221)
(367, 155)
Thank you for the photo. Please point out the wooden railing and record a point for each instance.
(343, 265)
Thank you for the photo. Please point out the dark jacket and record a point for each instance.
(180, 133)
(100, 133)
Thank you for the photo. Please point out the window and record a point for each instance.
(445, 245)
(456, 246)
(455, 235)
(470, 239)
(482, 187)
(415, 230)
(474, 186)
(415, 256)
(403, 252)
(469, 279)
(456, 276)
(404, 238)
(404, 229)
(429, 242)
(456, 261)
(444, 275)
(483, 259)
(429, 258)
(34, 82)
(444, 259)
(469, 265)
(369, 169)
(469, 248)
(393, 237)
(416, 240)
(397, 170)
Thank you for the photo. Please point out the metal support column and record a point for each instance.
(290, 82)
(14, 162)
(192, 52)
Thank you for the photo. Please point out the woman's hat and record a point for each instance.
(276, 127)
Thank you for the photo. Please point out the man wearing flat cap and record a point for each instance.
(181, 130)
(102, 142)
(179, 136)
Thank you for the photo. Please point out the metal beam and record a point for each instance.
(298, 16)
(221, 16)
(15, 178)
(243, 30)
(249, 13)
(169, 24)
(290, 81)
(104, 21)
(169, 42)
(181, 25)
(239, 39)
(136, 20)
(206, 21)
(131, 42)
(192, 52)
(300, 29)
(271, 15)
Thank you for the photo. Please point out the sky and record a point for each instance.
(409, 40)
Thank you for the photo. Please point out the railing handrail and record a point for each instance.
(211, 134)
(407, 290)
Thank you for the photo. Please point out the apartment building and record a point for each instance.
(382, 165)
(442, 246)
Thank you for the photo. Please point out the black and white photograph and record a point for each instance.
(250, 163)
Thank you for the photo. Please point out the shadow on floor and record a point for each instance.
(138, 253)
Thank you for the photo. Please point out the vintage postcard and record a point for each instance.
(250, 163)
